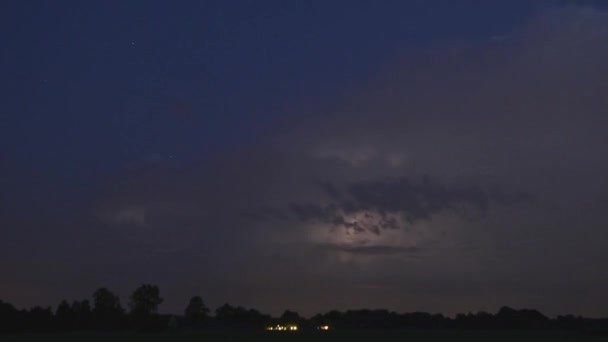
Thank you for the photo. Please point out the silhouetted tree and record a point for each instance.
(196, 311)
(290, 317)
(107, 312)
(82, 314)
(256, 319)
(333, 317)
(480, 320)
(508, 318)
(145, 300)
(229, 315)
(10, 318)
(39, 319)
(65, 317)
(225, 313)
(105, 301)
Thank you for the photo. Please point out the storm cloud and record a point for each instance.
(454, 160)
(478, 165)
(395, 203)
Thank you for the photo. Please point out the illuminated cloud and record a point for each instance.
(448, 162)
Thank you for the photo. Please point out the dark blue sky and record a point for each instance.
(99, 84)
(97, 95)
(91, 87)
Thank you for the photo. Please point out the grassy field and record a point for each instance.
(351, 336)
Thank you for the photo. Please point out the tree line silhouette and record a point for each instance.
(106, 313)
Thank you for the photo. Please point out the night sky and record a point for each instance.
(441, 156)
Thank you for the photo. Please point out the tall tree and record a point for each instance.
(64, 315)
(10, 317)
(225, 313)
(196, 309)
(106, 309)
(39, 318)
(290, 317)
(105, 301)
(82, 314)
(145, 300)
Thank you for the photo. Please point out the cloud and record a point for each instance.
(456, 156)
(477, 129)
(394, 203)
(128, 216)
(412, 252)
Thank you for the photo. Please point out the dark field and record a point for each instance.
(375, 336)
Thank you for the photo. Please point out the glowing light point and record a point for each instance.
(279, 327)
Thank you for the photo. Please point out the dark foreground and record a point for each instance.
(374, 336)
